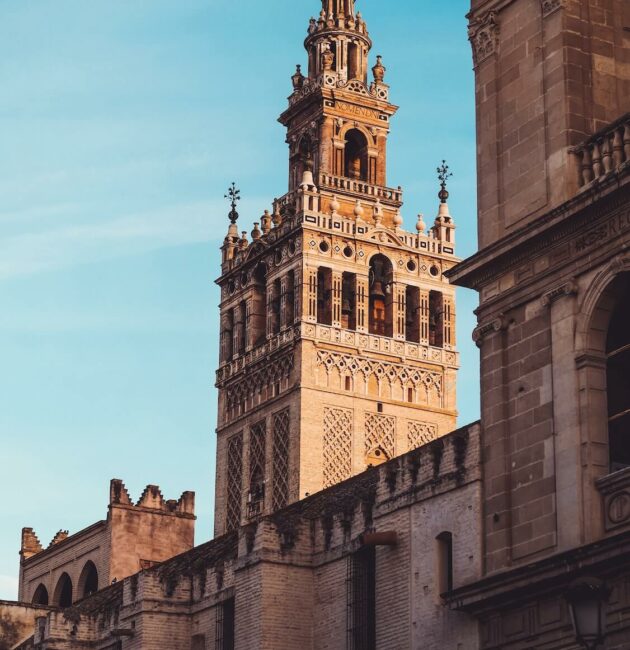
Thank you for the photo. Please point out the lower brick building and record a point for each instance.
(364, 564)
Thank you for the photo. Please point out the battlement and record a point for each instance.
(30, 544)
(152, 499)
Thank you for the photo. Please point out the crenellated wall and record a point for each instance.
(132, 536)
(288, 572)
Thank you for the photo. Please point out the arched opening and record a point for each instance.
(381, 304)
(445, 562)
(436, 319)
(240, 329)
(356, 155)
(324, 296)
(354, 61)
(88, 582)
(40, 597)
(274, 312)
(304, 158)
(412, 314)
(63, 592)
(258, 315)
(290, 299)
(227, 342)
(348, 301)
(618, 378)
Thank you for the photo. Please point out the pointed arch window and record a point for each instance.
(381, 300)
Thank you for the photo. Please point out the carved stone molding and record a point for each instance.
(615, 490)
(483, 33)
(479, 333)
(550, 6)
(566, 289)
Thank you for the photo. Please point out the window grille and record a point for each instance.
(281, 446)
(361, 587)
(225, 625)
(234, 481)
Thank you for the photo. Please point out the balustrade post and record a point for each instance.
(617, 149)
(597, 160)
(626, 141)
(587, 165)
(607, 155)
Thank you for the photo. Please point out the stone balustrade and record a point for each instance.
(605, 152)
(361, 188)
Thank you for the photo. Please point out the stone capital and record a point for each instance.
(551, 6)
(496, 325)
(567, 289)
(483, 33)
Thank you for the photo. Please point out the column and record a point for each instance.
(399, 311)
(336, 297)
(362, 305)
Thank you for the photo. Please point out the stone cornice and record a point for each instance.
(549, 230)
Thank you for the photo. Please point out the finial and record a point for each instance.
(256, 234)
(334, 205)
(377, 212)
(234, 196)
(277, 218)
(420, 225)
(398, 219)
(379, 70)
(266, 222)
(358, 209)
(243, 243)
(298, 78)
(444, 174)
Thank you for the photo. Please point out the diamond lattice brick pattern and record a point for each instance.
(257, 447)
(281, 425)
(420, 433)
(337, 445)
(380, 431)
(234, 481)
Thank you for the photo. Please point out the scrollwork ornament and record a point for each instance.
(483, 33)
(550, 6)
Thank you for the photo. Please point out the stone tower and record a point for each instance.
(337, 326)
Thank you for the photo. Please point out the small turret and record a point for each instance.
(444, 227)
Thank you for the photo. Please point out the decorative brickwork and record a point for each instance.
(428, 383)
(380, 432)
(420, 433)
(257, 457)
(281, 444)
(234, 481)
(337, 445)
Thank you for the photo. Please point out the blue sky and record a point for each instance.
(123, 122)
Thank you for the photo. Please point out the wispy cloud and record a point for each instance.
(66, 246)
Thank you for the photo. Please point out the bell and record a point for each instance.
(377, 290)
(346, 309)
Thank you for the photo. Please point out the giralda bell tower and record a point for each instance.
(337, 326)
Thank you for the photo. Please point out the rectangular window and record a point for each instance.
(225, 628)
(361, 585)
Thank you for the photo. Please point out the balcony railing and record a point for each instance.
(361, 188)
(608, 151)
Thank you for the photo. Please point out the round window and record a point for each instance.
(411, 266)
(434, 271)
(348, 251)
(324, 247)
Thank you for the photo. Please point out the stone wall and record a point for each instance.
(288, 571)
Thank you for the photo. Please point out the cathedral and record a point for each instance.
(352, 512)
